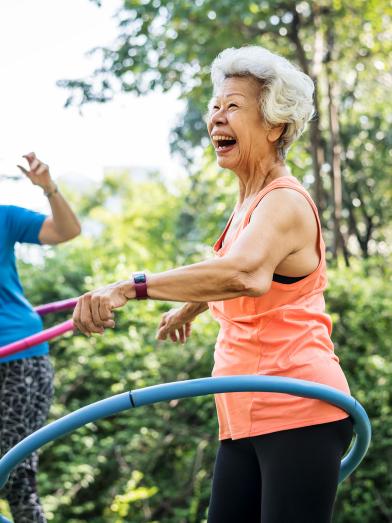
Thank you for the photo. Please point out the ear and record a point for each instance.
(275, 133)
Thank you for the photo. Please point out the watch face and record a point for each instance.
(139, 277)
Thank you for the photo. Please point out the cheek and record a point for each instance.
(251, 140)
(246, 144)
(242, 129)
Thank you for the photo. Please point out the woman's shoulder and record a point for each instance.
(9, 213)
(283, 192)
(20, 224)
(4, 212)
(9, 210)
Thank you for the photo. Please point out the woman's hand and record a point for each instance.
(177, 322)
(174, 325)
(39, 173)
(94, 310)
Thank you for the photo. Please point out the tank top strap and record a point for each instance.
(288, 182)
(219, 241)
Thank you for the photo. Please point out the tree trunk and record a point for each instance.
(318, 154)
(312, 69)
(335, 146)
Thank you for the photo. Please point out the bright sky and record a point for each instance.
(42, 41)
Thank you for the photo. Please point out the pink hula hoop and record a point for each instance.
(45, 335)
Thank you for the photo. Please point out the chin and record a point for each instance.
(225, 163)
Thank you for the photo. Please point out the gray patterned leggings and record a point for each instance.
(26, 391)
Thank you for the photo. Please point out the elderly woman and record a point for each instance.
(279, 455)
(26, 378)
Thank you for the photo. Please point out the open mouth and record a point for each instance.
(223, 143)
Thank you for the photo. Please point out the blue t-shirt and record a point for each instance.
(17, 317)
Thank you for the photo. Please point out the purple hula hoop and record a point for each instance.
(56, 306)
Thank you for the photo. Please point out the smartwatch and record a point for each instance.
(140, 282)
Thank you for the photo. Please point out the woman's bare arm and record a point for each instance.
(63, 225)
(276, 230)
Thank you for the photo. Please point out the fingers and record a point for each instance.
(41, 169)
(105, 311)
(24, 171)
(76, 316)
(164, 331)
(86, 318)
(172, 325)
(173, 336)
(94, 308)
(181, 334)
(101, 311)
(161, 333)
(32, 161)
(37, 168)
(30, 157)
(90, 316)
(176, 334)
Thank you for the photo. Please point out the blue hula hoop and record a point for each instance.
(192, 388)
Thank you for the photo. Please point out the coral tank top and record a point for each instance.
(284, 332)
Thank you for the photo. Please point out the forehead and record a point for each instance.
(244, 86)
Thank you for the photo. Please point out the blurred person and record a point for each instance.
(26, 377)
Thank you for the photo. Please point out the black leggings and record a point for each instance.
(284, 477)
(26, 392)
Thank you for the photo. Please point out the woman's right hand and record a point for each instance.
(39, 173)
(176, 325)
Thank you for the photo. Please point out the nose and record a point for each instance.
(219, 117)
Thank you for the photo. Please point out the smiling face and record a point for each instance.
(236, 127)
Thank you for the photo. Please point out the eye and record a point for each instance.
(232, 105)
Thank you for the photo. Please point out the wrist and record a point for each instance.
(50, 189)
(127, 289)
(188, 312)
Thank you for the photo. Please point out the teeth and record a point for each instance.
(217, 137)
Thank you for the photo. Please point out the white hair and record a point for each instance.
(287, 92)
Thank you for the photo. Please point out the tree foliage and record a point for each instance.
(343, 46)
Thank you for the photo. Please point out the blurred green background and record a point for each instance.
(155, 464)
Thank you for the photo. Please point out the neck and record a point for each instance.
(254, 180)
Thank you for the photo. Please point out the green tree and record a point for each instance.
(343, 47)
(361, 310)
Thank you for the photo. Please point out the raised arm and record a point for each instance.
(63, 225)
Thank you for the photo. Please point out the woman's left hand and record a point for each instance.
(176, 325)
(94, 310)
